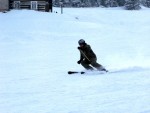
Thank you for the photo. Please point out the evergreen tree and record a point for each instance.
(147, 3)
(113, 3)
(93, 3)
(132, 5)
(129, 4)
(109, 3)
(103, 3)
(121, 2)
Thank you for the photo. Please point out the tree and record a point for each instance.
(132, 5)
(147, 3)
(109, 3)
(93, 3)
(121, 2)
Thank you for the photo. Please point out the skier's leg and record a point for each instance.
(85, 64)
(97, 65)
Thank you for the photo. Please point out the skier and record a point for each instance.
(88, 58)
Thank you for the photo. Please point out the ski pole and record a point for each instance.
(85, 55)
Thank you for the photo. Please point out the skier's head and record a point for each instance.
(81, 42)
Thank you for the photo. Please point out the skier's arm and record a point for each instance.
(81, 56)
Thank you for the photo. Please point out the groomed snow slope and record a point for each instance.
(37, 49)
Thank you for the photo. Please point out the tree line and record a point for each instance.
(128, 4)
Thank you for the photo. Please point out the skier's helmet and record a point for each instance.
(81, 42)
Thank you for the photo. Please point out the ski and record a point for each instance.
(76, 72)
(83, 72)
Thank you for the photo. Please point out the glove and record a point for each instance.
(79, 62)
(79, 48)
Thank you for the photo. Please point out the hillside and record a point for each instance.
(37, 49)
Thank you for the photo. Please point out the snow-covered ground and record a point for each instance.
(37, 49)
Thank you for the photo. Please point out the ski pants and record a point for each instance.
(93, 62)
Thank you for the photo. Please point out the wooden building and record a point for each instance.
(39, 5)
(4, 5)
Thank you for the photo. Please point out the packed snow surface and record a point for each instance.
(38, 48)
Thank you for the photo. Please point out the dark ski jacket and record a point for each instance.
(86, 49)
